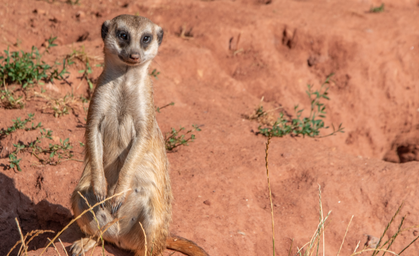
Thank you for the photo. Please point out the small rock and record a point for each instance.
(311, 61)
(39, 11)
(207, 202)
(371, 242)
(80, 15)
(54, 20)
(83, 37)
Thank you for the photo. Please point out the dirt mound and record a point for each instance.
(216, 62)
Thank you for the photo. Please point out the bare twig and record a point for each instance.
(270, 195)
(145, 239)
(346, 232)
(55, 247)
(63, 247)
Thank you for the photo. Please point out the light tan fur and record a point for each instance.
(125, 148)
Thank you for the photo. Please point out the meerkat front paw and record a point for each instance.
(81, 246)
(117, 202)
(100, 190)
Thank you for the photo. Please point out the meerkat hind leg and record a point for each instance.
(84, 244)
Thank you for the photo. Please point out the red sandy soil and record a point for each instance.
(284, 45)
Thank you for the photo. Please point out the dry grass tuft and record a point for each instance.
(263, 117)
(23, 250)
(312, 247)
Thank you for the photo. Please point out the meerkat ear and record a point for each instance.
(105, 28)
(160, 35)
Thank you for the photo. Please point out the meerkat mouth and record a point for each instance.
(130, 62)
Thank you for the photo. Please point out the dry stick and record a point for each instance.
(270, 194)
(356, 248)
(320, 233)
(385, 230)
(105, 228)
(97, 222)
(346, 232)
(289, 252)
(35, 232)
(414, 240)
(78, 217)
(55, 247)
(39, 232)
(322, 219)
(21, 237)
(374, 250)
(63, 247)
(145, 239)
(14, 246)
(314, 235)
(20, 241)
(393, 238)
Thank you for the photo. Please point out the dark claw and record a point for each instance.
(116, 208)
(100, 199)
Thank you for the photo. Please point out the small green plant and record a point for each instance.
(50, 43)
(305, 126)
(165, 106)
(82, 56)
(176, 138)
(377, 9)
(26, 68)
(55, 153)
(20, 124)
(14, 162)
(155, 74)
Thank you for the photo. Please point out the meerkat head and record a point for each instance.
(131, 40)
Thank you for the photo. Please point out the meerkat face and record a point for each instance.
(132, 40)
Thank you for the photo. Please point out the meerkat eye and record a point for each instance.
(123, 35)
(146, 39)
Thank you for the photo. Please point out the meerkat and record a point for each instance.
(125, 149)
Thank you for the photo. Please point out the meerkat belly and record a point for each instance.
(140, 205)
(118, 133)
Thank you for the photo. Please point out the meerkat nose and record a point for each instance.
(134, 56)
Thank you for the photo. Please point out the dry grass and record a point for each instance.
(313, 245)
(263, 117)
(145, 239)
(23, 250)
(270, 194)
(59, 106)
(24, 244)
(97, 222)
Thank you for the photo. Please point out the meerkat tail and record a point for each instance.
(184, 246)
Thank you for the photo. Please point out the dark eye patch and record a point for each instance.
(146, 39)
(123, 35)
